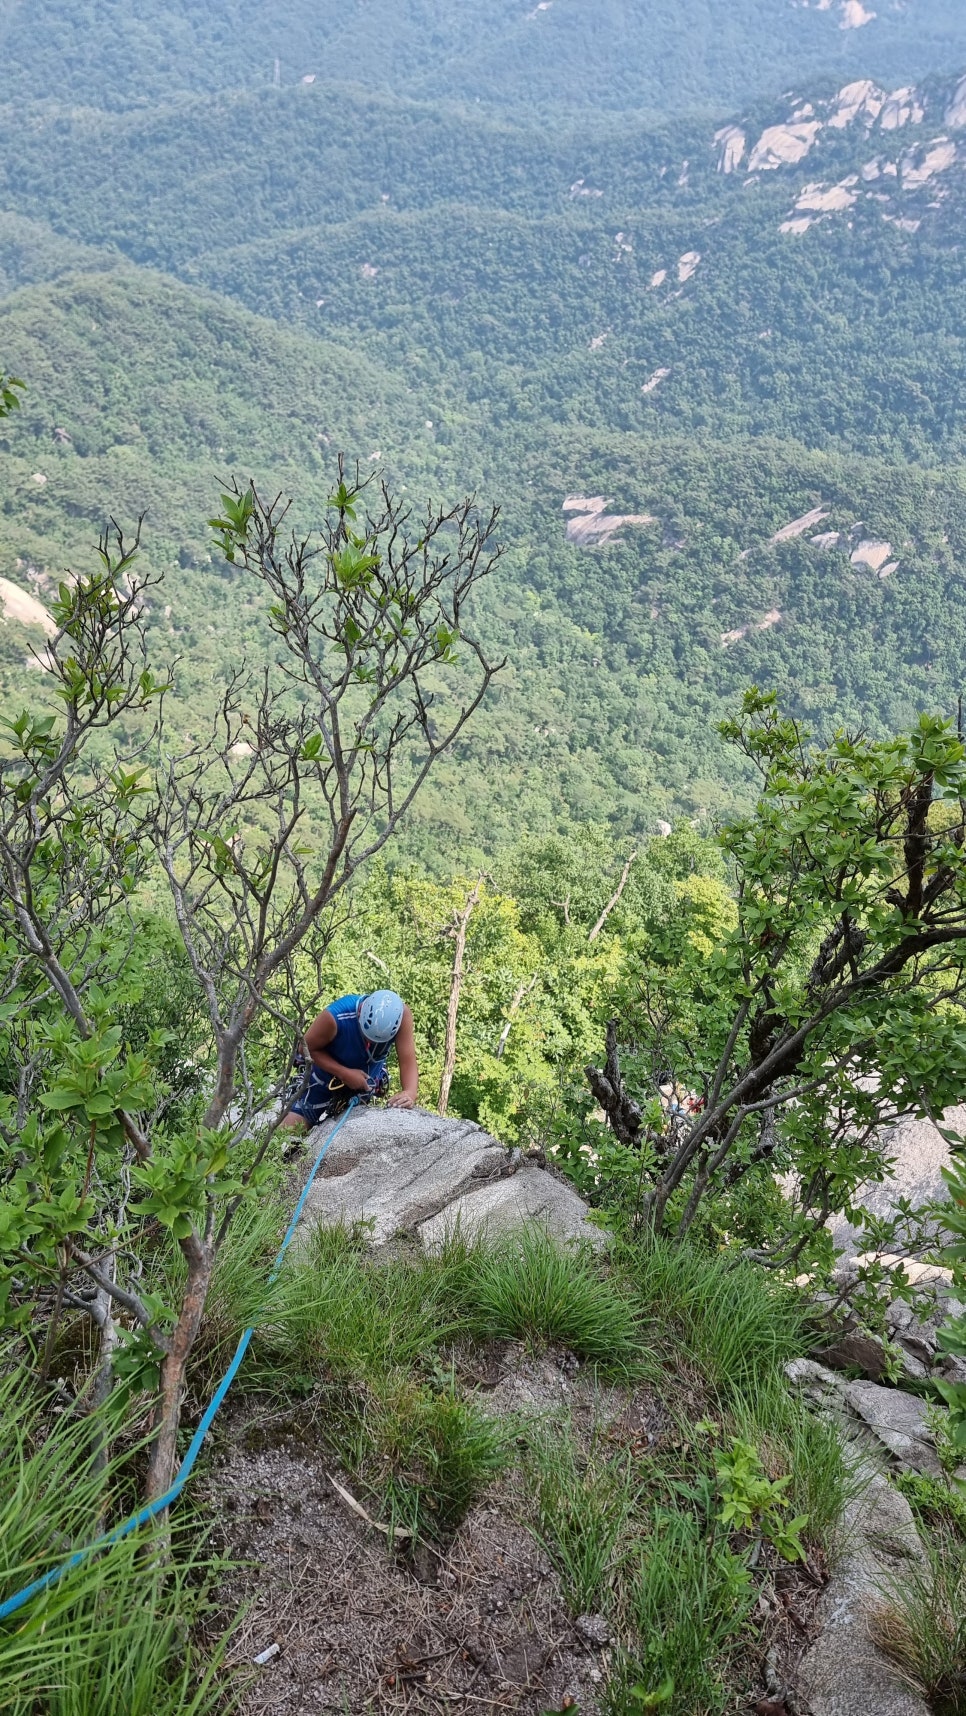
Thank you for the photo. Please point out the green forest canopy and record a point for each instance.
(248, 280)
(665, 56)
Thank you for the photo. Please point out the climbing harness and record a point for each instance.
(144, 1514)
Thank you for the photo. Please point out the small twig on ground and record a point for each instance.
(391, 1531)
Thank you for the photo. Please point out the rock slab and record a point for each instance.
(885, 1423)
(844, 1673)
(529, 1195)
(409, 1171)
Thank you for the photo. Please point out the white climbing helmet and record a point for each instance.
(380, 1015)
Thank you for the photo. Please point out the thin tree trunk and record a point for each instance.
(614, 899)
(54, 1325)
(103, 1382)
(514, 1008)
(201, 1258)
(452, 1013)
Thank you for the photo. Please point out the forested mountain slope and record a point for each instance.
(661, 56)
(622, 656)
(814, 288)
(713, 370)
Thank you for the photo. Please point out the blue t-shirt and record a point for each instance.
(349, 1046)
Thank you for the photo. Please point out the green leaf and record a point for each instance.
(62, 1097)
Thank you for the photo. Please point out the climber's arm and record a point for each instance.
(408, 1095)
(321, 1032)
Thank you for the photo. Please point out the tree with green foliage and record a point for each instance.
(831, 1009)
(258, 827)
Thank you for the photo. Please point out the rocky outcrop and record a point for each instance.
(731, 144)
(594, 525)
(909, 1348)
(783, 146)
(862, 100)
(956, 111)
(886, 1426)
(406, 1171)
(917, 1154)
(528, 1194)
(19, 605)
(844, 1673)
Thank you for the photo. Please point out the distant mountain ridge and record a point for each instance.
(520, 56)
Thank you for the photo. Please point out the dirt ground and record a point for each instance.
(477, 1626)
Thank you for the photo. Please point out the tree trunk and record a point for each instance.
(614, 899)
(103, 1382)
(200, 1255)
(523, 990)
(449, 1052)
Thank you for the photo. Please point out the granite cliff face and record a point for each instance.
(906, 157)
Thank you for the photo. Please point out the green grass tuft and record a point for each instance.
(115, 1633)
(427, 1456)
(336, 1310)
(689, 1598)
(922, 1625)
(736, 1321)
(532, 1289)
(583, 1509)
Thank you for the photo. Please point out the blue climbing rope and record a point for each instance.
(144, 1514)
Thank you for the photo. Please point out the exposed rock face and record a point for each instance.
(901, 108)
(594, 526)
(529, 1195)
(844, 1673)
(798, 526)
(408, 1171)
(772, 618)
(918, 169)
(855, 1349)
(899, 1423)
(857, 100)
(731, 143)
(901, 191)
(955, 115)
(783, 145)
(872, 554)
(885, 1425)
(855, 15)
(919, 1154)
(818, 199)
(600, 527)
(18, 605)
(912, 1333)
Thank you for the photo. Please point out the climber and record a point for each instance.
(348, 1045)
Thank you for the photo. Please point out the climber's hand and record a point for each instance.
(355, 1080)
(401, 1099)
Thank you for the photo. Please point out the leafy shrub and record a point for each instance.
(794, 1440)
(751, 1501)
